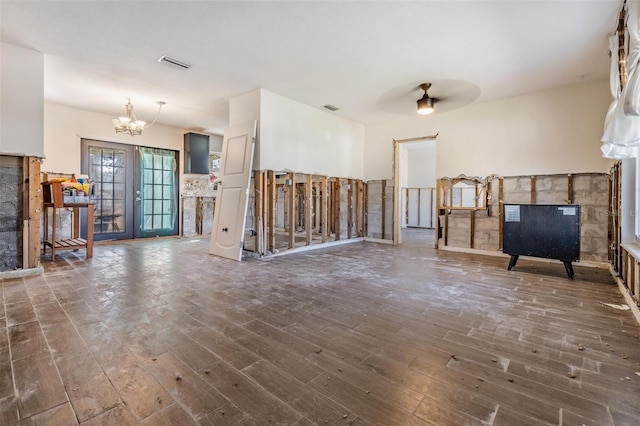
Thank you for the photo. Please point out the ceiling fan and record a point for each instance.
(426, 104)
(424, 98)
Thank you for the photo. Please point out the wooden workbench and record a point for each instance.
(54, 200)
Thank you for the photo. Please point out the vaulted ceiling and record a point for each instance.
(359, 56)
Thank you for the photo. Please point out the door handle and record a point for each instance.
(138, 199)
(225, 229)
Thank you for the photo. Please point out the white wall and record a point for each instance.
(64, 127)
(245, 108)
(297, 137)
(421, 164)
(556, 131)
(628, 199)
(21, 101)
(215, 143)
(404, 168)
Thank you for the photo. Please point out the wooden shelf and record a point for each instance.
(53, 199)
(70, 243)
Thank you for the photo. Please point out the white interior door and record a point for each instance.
(233, 191)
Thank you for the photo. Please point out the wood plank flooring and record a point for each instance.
(157, 331)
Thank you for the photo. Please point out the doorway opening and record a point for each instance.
(414, 185)
(135, 189)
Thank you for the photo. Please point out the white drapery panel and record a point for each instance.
(621, 137)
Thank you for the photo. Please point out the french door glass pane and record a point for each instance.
(159, 208)
(107, 170)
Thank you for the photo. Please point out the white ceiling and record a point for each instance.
(344, 53)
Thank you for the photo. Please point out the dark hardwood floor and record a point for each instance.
(158, 332)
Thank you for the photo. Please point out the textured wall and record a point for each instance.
(374, 209)
(10, 213)
(589, 190)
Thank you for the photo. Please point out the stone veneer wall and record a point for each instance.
(589, 190)
(11, 182)
(195, 188)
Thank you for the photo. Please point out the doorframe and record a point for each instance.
(85, 166)
(397, 158)
(138, 208)
(133, 162)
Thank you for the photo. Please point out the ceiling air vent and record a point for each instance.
(331, 107)
(172, 62)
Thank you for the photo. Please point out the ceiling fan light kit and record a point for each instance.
(130, 124)
(425, 104)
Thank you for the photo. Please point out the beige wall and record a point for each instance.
(64, 127)
(420, 165)
(556, 131)
(304, 139)
(21, 97)
(300, 138)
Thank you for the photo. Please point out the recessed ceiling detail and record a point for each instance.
(172, 62)
(450, 94)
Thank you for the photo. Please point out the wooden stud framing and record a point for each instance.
(32, 211)
(324, 210)
(199, 215)
(472, 219)
(365, 209)
(634, 285)
(330, 206)
(384, 206)
(308, 208)
(610, 226)
(258, 186)
(285, 205)
(406, 206)
(533, 189)
(316, 208)
(335, 195)
(487, 191)
(438, 203)
(622, 53)
(500, 210)
(360, 209)
(350, 208)
(272, 210)
(569, 189)
(475, 196)
(617, 219)
(26, 212)
(291, 201)
(446, 227)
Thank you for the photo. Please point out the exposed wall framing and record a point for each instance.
(197, 215)
(291, 210)
(477, 224)
(20, 214)
(379, 204)
(625, 263)
(418, 207)
(32, 211)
